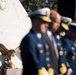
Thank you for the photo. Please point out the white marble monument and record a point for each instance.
(14, 24)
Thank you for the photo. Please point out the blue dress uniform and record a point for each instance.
(34, 53)
(60, 48)
(70, 52)
(62, 59)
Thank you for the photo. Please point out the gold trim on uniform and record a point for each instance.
(48, 14)
(43, 71)
(51, 71)
(63, 69)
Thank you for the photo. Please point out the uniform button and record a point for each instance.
(47, 53)
(73, 57)
(48, 65)
(47, 59)
(41, 51)
(60, 53)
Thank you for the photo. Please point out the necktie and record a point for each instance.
(52, 52)
(54, 45)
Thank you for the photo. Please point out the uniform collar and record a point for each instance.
(39, 35)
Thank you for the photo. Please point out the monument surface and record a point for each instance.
(14, 24)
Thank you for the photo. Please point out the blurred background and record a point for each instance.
(64, 7)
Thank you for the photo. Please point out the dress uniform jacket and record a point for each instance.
(70, 52)
(34, 53)
(60, 49)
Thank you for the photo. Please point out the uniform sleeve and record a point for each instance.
(62, 61)
(69, 49)
(62, 58)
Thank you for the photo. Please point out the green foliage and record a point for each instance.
(31, 5)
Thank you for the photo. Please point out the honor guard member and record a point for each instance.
(66, 42)
(58, 35)
(72, 36)
(34, 49)
(62, 59)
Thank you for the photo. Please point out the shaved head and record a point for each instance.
(56, 19)
(55, 16)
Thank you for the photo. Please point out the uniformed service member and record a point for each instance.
(72, 31)
(34, 49)
(62, 69)
(66, 42)
(72, 36)
(59, 34)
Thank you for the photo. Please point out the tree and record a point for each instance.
(31, 5)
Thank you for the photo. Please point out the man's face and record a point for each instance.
(43, 26)
(54, 25)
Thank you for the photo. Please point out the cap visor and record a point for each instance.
(65, 26)
(45, 18)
